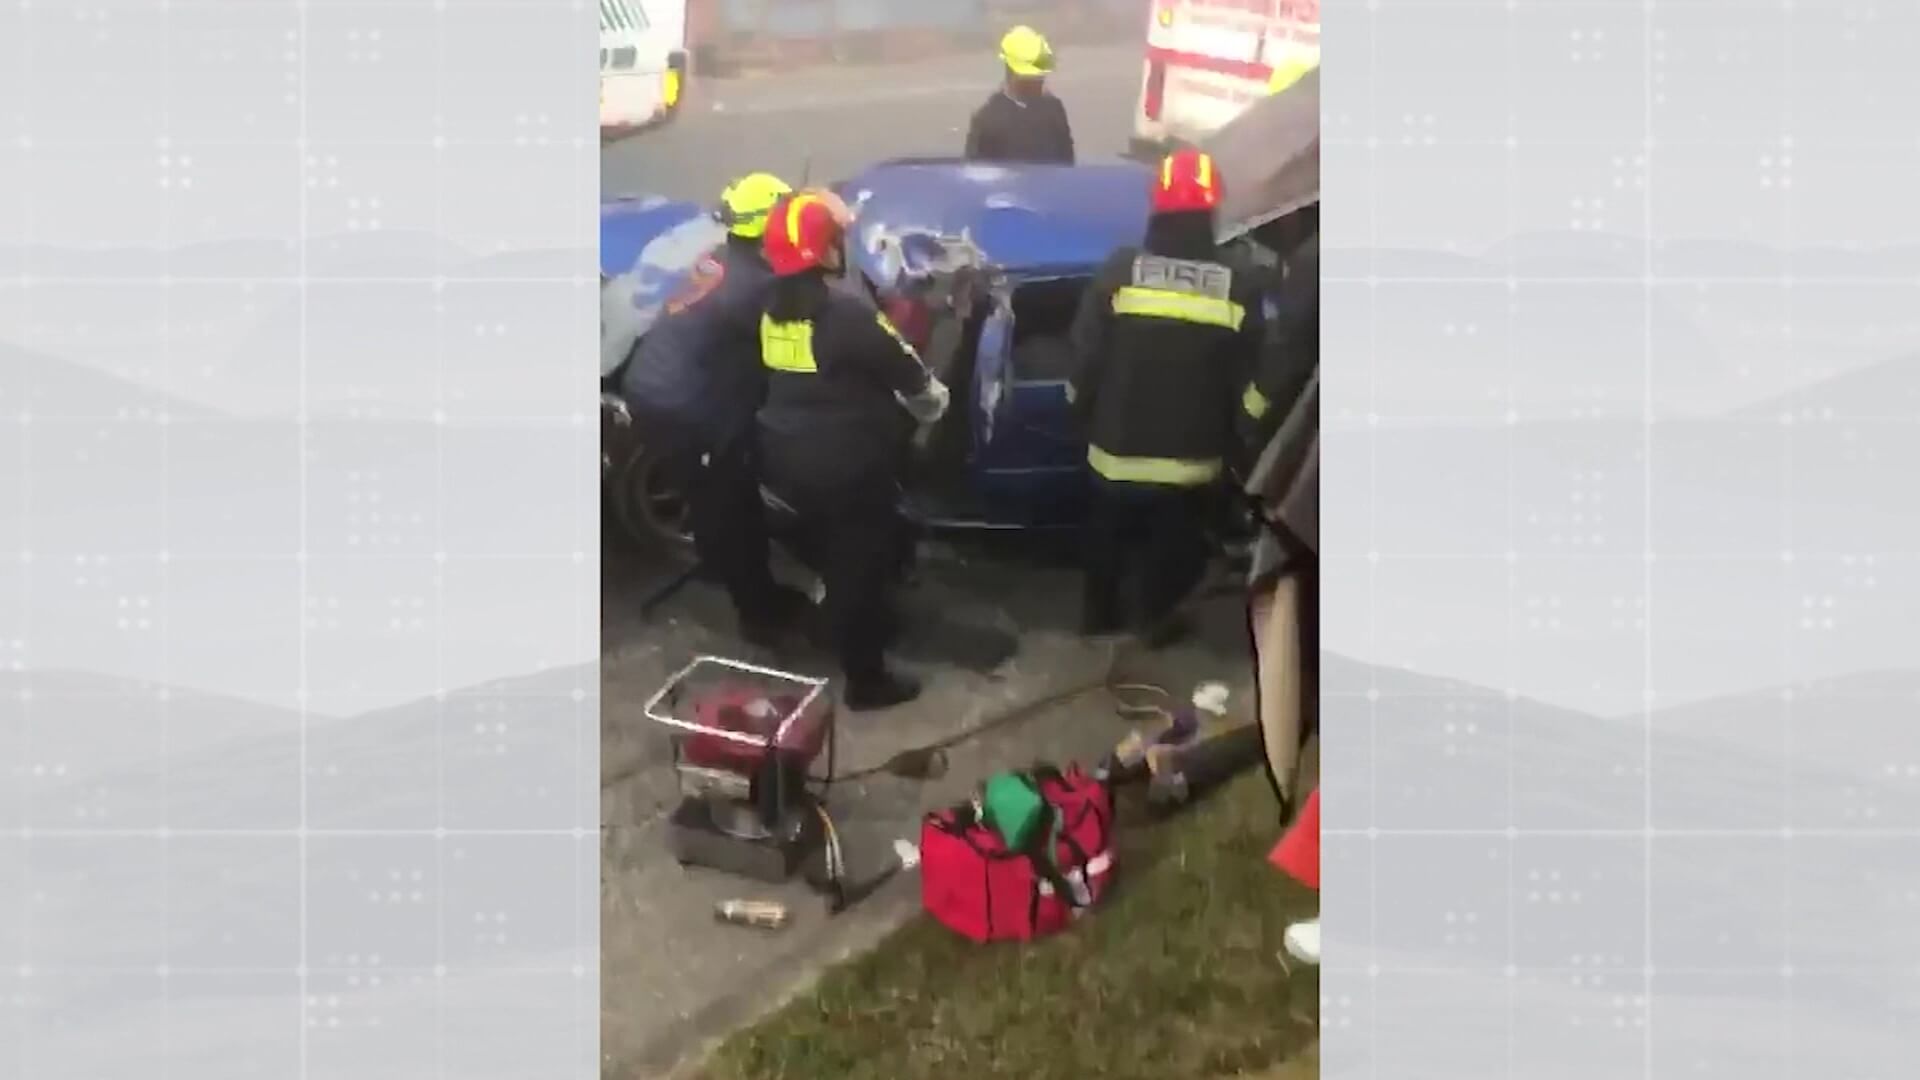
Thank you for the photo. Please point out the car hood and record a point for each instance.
(921, 216)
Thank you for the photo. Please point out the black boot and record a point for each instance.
(882, 691)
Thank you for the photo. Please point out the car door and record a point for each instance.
(1029, 463)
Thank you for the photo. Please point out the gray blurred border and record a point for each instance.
(1622, 409)
(298, 614)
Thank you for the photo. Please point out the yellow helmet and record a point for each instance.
(745, 203)
(1026, 52)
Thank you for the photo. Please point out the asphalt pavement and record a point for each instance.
(988, 629)
(829, 124)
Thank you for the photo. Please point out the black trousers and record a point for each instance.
(730, 528)
(721, 481)
(855, 538)
(1147, 540)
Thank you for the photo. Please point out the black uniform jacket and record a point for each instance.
(831, 416)
(1164, 351)
(1007, 130)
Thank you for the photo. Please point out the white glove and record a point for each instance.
(929, 405)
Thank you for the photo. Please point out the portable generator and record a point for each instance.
(745, 742)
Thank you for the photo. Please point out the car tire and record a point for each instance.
(649, 515)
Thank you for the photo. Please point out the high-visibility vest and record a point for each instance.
(788, 346)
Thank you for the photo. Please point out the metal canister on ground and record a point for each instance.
(765, 914)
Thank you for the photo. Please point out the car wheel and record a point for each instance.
(649, 510)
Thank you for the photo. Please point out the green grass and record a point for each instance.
(1175, 976)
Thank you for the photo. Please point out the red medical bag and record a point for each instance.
(971, 882)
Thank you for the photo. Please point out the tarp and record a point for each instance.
(1269, 156)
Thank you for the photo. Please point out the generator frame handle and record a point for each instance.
(653, 711)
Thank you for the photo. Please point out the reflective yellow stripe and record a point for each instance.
(1255, 403)
(1185, 307)
(1292, 68)
(794, 206)
(1137, 470)
(894, 333)
(787, 346)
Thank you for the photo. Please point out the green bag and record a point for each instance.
(1012, 806)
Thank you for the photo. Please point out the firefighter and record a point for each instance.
(1292, 354)
(694, 384)
(844, 394)
(1022, 122)
(1165, 342)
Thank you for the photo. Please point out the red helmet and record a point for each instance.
(803, 230)
(1188, 182)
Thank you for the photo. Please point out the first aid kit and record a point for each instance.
(1022, 861)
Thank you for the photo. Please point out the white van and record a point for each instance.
(643, 62)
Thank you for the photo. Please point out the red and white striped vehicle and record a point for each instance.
(1207, 60)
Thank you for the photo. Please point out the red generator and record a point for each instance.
(745, 742)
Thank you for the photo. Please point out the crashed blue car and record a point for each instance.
(983, 267)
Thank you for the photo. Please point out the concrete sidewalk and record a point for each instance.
(673, 979)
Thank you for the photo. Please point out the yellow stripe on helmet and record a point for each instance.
(794, 207)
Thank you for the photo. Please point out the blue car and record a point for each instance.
(983, 267)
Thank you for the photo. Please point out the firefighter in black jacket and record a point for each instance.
(844, 391)
(1166, 341)
(694, 382)
(1292, 352)
(1022, 122)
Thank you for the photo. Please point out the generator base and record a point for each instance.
(695, 841)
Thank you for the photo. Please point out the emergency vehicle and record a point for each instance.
(1207, 60)
(643, 62)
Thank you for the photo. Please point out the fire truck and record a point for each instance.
(1207, 60)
